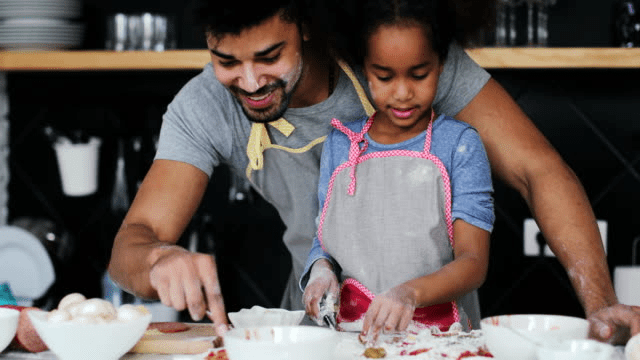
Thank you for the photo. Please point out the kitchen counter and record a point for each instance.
(47, 355)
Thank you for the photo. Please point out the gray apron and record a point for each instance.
(387, 220)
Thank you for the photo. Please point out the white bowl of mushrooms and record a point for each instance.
(83, 328)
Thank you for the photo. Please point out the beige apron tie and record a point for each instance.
(259, 140)
(368, 108)
(259, 137)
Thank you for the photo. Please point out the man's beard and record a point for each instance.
(271, 113)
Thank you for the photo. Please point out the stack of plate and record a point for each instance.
(40, 24)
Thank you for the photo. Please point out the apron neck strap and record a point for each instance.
(355, 150)
(427, 140)
(362, 95)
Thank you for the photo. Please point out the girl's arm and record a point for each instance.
(472, 209)
(393, 309)
(465, 273)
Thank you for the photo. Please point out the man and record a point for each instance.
(263, 107)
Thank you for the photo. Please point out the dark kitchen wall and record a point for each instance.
(571, 22)
(590, 117)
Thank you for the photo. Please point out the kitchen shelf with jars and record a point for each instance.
(487, 57)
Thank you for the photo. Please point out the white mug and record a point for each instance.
(78, 166)
(626, 280)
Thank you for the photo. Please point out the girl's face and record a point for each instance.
(402, 70)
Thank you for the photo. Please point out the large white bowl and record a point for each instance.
(259, 316)
(281, 343)
(583, 349)
(8, 326)
(77, 341)
(516, 337)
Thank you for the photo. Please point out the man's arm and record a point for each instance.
(522, 157)
(145, 259)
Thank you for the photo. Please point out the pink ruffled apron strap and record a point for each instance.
(427, 140)
(355, 150)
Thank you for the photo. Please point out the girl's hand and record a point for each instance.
(322, 281)
(390, 311)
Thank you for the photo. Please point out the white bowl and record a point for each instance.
(515, 337)
(281, 343)
(80, 341)
(583, 349)
(632, 349)
(259, 316)
(8, 326)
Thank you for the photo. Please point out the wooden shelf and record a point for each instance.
(80, 60)
(489, 58)
(556, 58)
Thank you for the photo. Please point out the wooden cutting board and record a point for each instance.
(198, 339)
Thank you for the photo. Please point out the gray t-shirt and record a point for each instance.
(204, 126)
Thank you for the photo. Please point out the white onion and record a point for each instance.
(75, 307)
(70, 300)
(58, 315)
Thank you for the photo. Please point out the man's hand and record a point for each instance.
(184, 279)
(390, 311)
(615, 324)
(322, 280)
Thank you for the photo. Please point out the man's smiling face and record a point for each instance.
(261, 66)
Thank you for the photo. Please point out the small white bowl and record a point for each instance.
(259, 316)
(281, 343)
(583, 349)
(80, 341)
(8, 326)
(632, 349)
(516, 337)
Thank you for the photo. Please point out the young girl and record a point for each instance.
(405, 195)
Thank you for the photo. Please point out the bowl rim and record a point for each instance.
(8, 313)
(488, 320)
(243, 316)
(238, 333)
(262, 310)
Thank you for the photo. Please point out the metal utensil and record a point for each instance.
(327, 311)
(120, 194)
(330, 321)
